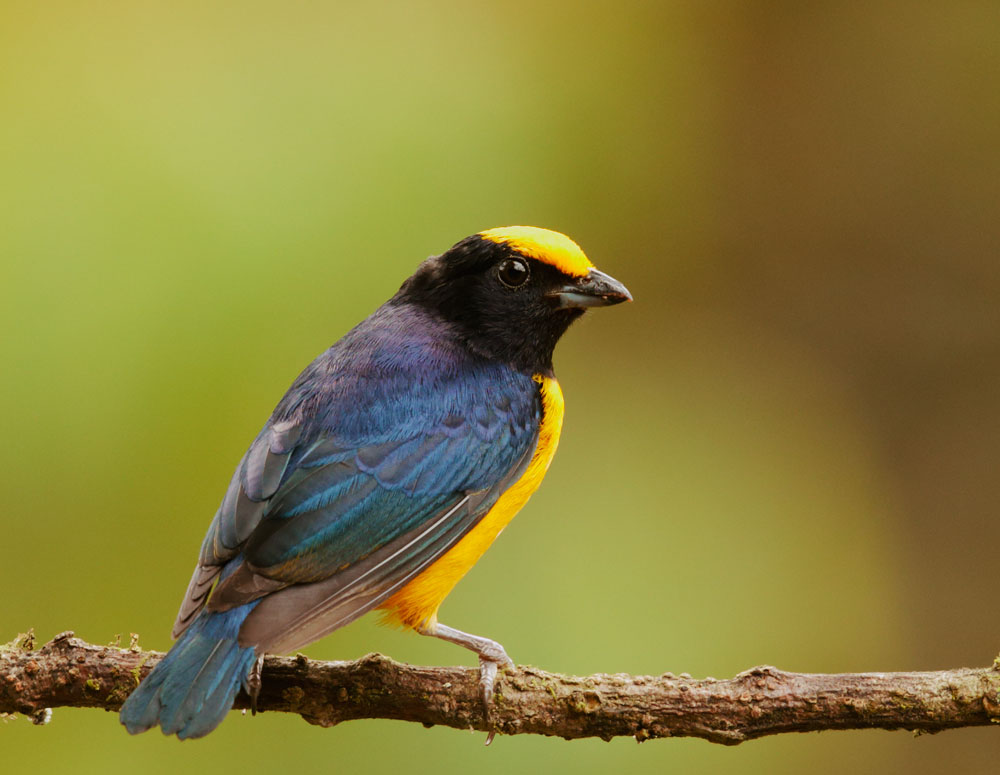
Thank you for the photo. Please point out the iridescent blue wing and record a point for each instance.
(327, 523)
(255, 481)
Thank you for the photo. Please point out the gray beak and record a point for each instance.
(596, 289)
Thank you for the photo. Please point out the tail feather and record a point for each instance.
(189, 693)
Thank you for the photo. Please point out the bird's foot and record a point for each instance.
(254, 683)
(491, 658)
(489, 665)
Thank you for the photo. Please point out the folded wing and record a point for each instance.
(325, 527)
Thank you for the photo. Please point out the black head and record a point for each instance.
(512, 292)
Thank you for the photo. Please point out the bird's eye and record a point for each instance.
(513, 272)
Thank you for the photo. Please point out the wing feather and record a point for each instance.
(195, 596)
(255, 479)
(324, 521)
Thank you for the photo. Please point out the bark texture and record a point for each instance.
(69, 672)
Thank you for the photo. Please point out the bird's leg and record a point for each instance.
(491, 657)
(254, 683)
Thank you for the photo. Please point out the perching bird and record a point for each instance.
(388, 468)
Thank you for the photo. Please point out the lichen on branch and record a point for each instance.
(69, 672)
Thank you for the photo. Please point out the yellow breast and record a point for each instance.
(418, 601)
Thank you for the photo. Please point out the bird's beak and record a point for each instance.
(595, 289)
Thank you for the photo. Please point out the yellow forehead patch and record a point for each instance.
(544, 245)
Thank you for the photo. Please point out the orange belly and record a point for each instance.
(418, 602)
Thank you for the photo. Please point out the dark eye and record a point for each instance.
(513, 272)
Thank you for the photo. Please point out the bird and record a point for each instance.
(384, 473)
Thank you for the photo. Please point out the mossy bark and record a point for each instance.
(68, 672)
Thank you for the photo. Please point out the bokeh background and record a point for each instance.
(786, 451)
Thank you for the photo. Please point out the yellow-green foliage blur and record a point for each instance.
(786, 451)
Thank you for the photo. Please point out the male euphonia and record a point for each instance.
(388, 468)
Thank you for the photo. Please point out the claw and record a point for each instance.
(254, 683)
(487, 678)
(488, 668)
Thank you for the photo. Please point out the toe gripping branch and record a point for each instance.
(253, 683)
(491, 658)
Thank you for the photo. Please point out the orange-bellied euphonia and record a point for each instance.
(388, 468)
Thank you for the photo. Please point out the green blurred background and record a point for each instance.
(784, 452)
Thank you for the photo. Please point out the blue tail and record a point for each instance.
(191, 690)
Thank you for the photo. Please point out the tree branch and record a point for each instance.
(68, 672)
